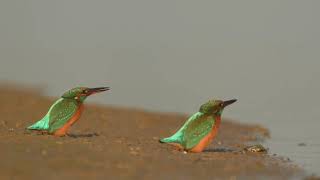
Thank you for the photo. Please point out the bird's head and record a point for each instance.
(215, 107)
(81, 93)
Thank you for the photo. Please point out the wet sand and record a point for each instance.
(122, 143)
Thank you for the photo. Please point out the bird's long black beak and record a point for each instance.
(226, 103)
(97, 90)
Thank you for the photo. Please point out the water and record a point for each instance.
(175, 55)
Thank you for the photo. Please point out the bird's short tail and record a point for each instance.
(176, 138)
(169, 140)
(43, 124)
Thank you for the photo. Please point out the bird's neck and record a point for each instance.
(80, 102)
(217, 122)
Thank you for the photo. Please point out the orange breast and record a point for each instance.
(208, 138)
(63, 130)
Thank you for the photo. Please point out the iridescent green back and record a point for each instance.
(61, 113)
(197, 130)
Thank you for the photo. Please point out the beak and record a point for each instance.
(97, 90)
(226, 103)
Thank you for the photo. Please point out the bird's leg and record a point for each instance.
(70, 135)
(177, 146)
(42, 132)
(59, 134)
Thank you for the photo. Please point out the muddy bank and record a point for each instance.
(122, 143)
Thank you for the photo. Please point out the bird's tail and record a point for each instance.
(176, 138)
(42, 124)
(168, 140)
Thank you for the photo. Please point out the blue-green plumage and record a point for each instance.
(43, 124)
(62, 113)
(195, 128)
(178, 137)
(59, 113)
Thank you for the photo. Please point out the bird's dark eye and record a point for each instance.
(85, 91)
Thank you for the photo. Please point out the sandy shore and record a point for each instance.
(122, 143)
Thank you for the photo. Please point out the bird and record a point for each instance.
(200, 128)
(65, 111)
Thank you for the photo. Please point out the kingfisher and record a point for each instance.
(65, 111)
(201, 128)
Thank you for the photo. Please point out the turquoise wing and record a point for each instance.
(179, 135)
(196, 130)
(43, 124)
(61, 113)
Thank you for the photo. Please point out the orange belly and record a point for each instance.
(63, 130)
(208, 138)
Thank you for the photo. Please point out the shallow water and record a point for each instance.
(175, 55)
(306, 156)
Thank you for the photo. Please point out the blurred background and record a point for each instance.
(172, 56)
